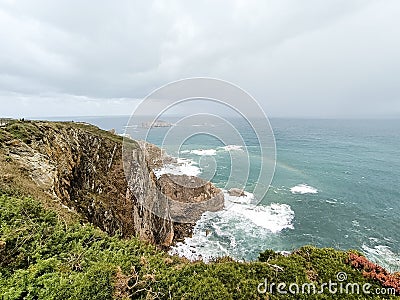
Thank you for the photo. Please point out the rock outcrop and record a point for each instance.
(236, 192)
(82, 166)
(189, 197)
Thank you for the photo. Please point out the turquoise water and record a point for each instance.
(355, 165)
(348, 171)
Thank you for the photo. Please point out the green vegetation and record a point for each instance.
(23, 130)
(43, 257)
(92, 129)
(28, 130)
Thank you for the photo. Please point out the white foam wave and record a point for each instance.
(204, 152)
(274, 217)
(183, 166)
(246, 199)
(199, 247)
(212, 152)
(384, 256)
(232, 148)
(303, 189)
(333, 201)
(225, 232)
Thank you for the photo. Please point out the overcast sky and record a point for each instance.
(311, 58)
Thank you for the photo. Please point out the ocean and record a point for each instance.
(336, 184)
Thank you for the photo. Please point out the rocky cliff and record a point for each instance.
(82, 167)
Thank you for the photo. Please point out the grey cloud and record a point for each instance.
(310, 58)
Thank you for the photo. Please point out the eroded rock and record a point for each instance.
(235, 192)
(82, 166)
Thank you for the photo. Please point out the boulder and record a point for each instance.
(235, 192)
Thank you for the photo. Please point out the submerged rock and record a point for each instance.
(235, 192)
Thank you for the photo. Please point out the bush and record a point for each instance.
(43, 258)
(267, 255)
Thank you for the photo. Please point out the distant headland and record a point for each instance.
(151, 124)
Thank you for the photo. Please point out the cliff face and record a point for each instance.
(82, 167)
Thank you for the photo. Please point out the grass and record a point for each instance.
(24, 131)
(28, 130)
(42, 257)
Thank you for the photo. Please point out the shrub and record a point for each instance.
(373, 271)
(43, 258)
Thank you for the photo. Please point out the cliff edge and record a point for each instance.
(80, 168)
